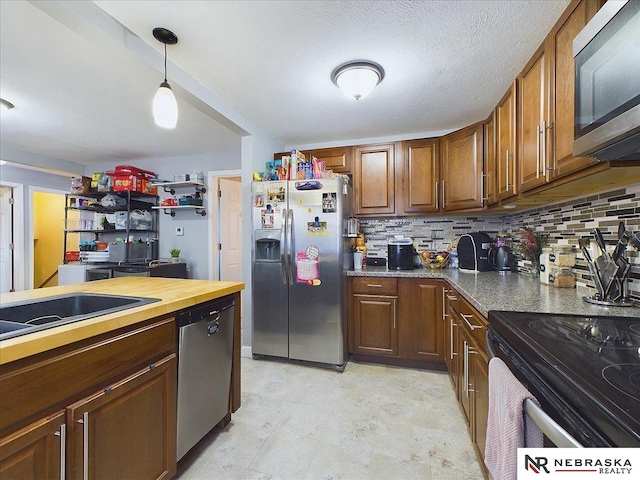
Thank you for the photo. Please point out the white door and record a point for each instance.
(230, 229)
(6, 240)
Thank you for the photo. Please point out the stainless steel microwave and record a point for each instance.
(607, 83)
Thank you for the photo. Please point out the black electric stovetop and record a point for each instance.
(591, 362)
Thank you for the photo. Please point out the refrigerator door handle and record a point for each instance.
(283, 245)
(290, 246)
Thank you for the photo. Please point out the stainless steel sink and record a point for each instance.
(20, 318)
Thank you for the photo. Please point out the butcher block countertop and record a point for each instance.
(513, 292)
(174, 294)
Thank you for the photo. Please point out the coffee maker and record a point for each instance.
(400, 253)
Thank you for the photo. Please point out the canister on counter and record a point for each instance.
(562, 278)
(562, 256)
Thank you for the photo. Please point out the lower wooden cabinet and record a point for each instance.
(35, 451)
(480, 387)
(375, 324)
(126, 430)
(421, 315)
(104, 407)
(400, 318)
(468, 368)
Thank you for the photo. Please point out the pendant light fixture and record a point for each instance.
(357, 79)
(5, 105)
(165, 107)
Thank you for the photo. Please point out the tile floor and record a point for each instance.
(370, 422)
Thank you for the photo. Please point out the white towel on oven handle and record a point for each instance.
(508, 426)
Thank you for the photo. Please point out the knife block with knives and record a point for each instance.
(610, 272)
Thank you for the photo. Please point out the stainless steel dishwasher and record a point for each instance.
(204, 369)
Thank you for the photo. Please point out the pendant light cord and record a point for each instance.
(165, 62)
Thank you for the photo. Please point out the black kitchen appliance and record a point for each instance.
(473, 252)
(400, 254)
(584, 371)
(502, 259)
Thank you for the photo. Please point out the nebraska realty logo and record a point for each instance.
(583, 463)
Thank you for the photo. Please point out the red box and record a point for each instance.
(133, 183)
(131, 170)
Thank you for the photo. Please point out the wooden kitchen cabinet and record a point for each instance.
(374, 179)
(374, 317)
(131, 371)
(490, 174)
(126, 430)
(546, 89)
(562, 81)
(533, 121)
(480, 387)
(397, 318)
(420, 176)
(35, 451)
(451, 335)
(505, 118)
(421, 325)
(338, 159)
(462, 169)
(469, 367)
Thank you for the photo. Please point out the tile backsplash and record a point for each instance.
(563, 223)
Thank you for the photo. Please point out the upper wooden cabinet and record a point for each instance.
(337, 159)
(505, 119)
(462, 169)
(374, 179)
(562, 73)
(546, 103)
(490, 174)
(418, 184)
(533, 121)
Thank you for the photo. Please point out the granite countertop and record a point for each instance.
(174, 294)
(514, 292)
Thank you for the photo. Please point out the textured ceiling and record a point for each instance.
(447, 64)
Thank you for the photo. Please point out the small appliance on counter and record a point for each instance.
(400, 253)
(502, 259)
(473, 252)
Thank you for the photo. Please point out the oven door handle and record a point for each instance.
(549, 427)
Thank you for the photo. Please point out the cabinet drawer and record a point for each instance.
(473, 322)
(375, 285)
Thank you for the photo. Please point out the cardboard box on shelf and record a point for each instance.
(80, 184)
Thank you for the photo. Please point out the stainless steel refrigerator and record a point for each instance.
(300, 256)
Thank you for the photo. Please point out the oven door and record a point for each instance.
(560, 424)
(607, 84)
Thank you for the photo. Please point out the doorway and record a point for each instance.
(225, 200)
(48, 236)
(7, 242)
(12, 245)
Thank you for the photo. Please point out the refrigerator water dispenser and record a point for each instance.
(267, 249)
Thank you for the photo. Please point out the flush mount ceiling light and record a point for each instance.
(165, 107)
(4, 105)
(357, 79)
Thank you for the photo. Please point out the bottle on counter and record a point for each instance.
(545, 265)
(361, 246)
